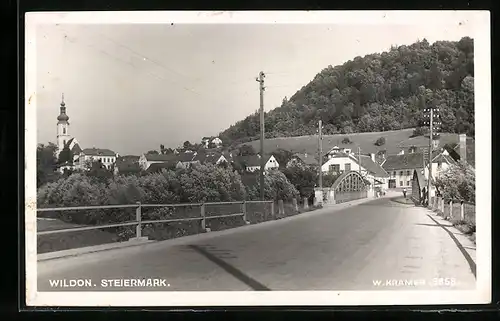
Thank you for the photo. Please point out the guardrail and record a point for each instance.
(454, 209)
(139, 222)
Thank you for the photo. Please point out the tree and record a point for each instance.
(66, 155)
(303, 178)
(282, 156)
(346, 140)
(46, 163)
(458, 182)
(420, 131)
(349, 97)
(380, 141)
(187, 144)
(247, 150)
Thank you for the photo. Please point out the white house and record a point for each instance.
(252, 162)
(105, 156)
(340, 162)
(216, 141)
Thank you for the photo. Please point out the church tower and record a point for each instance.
(62, 127)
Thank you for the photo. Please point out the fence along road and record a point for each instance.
(351, 247)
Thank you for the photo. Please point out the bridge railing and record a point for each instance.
(454, 209)
(206, 212)
(61, 228)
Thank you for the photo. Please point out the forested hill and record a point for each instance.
(378, 92)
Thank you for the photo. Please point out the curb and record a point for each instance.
(195, 237)
(464, 244)
(90, 249)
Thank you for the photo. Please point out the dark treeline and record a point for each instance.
(378, 92)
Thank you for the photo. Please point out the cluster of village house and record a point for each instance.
(399, 170)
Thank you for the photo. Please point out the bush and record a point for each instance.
(303, 178)
(346, 140)
(458, 182)
(209, 183)
(380, 141)
(276, 187)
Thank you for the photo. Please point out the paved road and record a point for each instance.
(329, 249)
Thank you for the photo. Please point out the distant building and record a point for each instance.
(251, 163)
(340, 162)
(105, 156)
(401, 167)
(146, 160)
(78, 157)
(302, 159)
(214, 158)
(127, 164)
(211, 142)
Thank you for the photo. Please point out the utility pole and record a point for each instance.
(359, 160)
(432, 133)
(320, 143)
(260, 79)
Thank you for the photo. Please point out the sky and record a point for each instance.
(130, 88)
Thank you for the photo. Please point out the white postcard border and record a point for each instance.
(481, 22)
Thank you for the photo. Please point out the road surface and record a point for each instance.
(377, 245)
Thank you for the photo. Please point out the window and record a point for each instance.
(400, 183)
(347, 167)
(408, 173)
(401, 173)
(335, 168)
(407, 183)
(394, 173)
(64, 130)
(64, 142)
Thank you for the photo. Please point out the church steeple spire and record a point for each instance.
(62, 116)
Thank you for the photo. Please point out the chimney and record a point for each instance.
(372, 156)
(463, 140)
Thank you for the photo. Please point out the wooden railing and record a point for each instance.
(454, 209)
(139, 222)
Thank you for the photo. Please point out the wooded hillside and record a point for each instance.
(378, 92)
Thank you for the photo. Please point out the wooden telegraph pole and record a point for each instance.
(320, 143)
(260, 79)
(432, 133)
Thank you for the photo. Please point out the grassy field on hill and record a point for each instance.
(394, 140)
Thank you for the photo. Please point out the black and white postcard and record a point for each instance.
(258, 158)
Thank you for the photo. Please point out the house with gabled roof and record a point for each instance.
(105, 156)
(303, 159)
(251, 163)
(214, 158)
(401, 167)
(146, 160)
(207, 142)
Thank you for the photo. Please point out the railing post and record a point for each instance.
(462, 212)
(138, 218)
(442, 206)
(281, 208)
(203, 218)
(451, 209)
(295, 204)
(306, 203)
(272, 210)
(244, 210)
